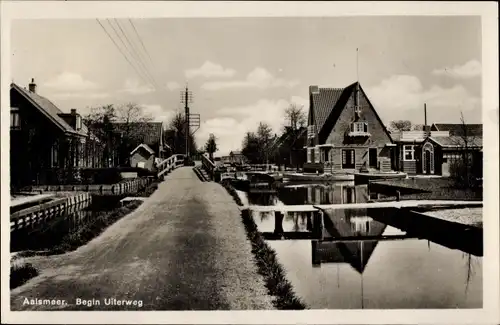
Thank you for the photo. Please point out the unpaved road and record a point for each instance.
(184, 248)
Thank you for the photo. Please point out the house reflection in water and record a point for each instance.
(347, 224)
(338, 193)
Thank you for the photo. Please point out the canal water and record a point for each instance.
(44, 236)
(388, 267)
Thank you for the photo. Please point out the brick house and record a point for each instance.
(44, 141)
(434, 149)
(345, 133)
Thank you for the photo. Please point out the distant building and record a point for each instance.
(44, 141)
(345, 132)
(143, 156)
(148, 133)
(288, 149)
(236, 157)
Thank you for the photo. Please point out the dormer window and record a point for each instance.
(359, 129)
(15, 119)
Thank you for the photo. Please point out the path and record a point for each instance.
(184, 248)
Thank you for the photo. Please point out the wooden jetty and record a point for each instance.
(47, 210)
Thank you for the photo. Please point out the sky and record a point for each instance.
(245, 70)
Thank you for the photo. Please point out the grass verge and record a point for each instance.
(267, 262)
(20, 274)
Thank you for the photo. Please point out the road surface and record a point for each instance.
(184, 248)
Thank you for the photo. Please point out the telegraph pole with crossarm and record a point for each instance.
(190, 119)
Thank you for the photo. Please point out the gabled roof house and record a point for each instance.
(44, 138)
(345, 133)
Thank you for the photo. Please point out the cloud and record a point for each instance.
(210, 69)
(468, 70)
(70, 82)
(232, 123)
(258, 78)
(74, 95)
(135, 87)
(172, 85)
(403, 97)
(158, 113)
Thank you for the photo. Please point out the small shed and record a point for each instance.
(143, 156)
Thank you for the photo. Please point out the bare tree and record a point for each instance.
(295, 116)
(463, 170)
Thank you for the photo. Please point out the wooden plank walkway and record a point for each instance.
(374, 205)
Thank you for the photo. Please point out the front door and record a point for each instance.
(427, 162)
(372, 156)
(348, 159)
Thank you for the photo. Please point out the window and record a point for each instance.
(15, 119)
(408, 153)
(55, 155)
(359, 127)
(348, 158)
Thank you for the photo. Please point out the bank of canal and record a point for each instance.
(69, 229)
(367, 260)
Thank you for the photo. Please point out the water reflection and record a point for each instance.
(46, 235)
(369, 258)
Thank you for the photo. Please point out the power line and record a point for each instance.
(140, 40)
(138, 57)
(125, 46)
(123, 54)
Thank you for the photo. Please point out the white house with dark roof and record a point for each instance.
(44, 140)
(345, 133)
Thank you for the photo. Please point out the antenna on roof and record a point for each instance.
(357, 64)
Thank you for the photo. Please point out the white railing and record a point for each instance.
(170, 164)
(208, 165)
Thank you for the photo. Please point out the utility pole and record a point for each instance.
(186, 99)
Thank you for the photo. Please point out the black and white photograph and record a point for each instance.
(181, 157)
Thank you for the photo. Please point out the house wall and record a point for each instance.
(338, 137)
(40, 148)
(140, 156)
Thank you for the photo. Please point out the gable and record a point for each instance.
(45, 106)
(338, 123)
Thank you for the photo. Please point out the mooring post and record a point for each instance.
(309, 225)
(278, 223)
(318, 224)
(315, 261)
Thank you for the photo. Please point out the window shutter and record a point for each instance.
(352, 127)
(366, 127)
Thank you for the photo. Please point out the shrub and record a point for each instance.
(266, 260)
(20, 274)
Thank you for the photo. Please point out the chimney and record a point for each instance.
(425, 115)
(313, 89)
(32, 86)
(73, 111)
